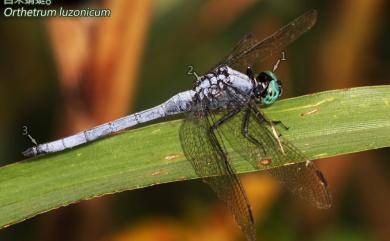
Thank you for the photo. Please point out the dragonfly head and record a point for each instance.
(267, 88)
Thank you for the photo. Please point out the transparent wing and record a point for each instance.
(245, 43)
(305, 180)
(294, 170)
(250, 50)
(212, 165)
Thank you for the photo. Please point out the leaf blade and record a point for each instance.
(322, 125)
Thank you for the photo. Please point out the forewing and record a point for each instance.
(247, 42)
(250, 50)
(213, 166)
(294, 170)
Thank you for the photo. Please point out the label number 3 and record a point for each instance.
(24, 130)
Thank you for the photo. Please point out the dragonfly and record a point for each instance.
(224, 107)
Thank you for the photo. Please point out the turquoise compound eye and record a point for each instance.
(273, 90)
(272, 94)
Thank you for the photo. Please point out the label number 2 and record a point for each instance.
(190, 70)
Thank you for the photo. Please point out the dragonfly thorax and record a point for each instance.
(225, 86)
(222, 86)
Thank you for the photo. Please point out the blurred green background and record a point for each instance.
(61, 75)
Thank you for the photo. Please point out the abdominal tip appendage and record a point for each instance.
(30, 152)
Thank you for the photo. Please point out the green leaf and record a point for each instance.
(321, 125)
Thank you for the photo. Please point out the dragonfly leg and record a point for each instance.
(278, 122)
(261, 119)
(219, 123)
(250, 73)
(245, 131)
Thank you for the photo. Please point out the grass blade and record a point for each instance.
(322, 125)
